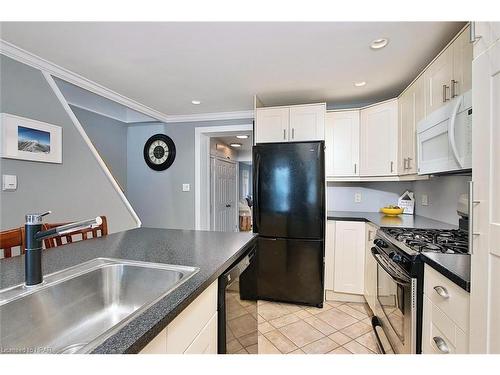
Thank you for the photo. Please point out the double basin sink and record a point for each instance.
(76, 309)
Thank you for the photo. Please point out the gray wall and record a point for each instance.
(157, 197)
(109, 137)
(442, 192)
(75, 189)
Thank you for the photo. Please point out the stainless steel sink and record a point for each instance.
(76, 309)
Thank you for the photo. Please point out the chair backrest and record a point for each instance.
(78, 235)
(12, 239)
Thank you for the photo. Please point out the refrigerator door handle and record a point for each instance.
(256, 217)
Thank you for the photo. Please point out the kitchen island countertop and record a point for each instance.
(212, 252)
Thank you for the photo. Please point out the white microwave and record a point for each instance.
(444, 137)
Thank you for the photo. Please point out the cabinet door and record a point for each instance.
(329, 254)
(406, 112)
(438, 77)
(206, 341)
(462, 64)
(271, 124)
(349, 257)
(379, 140)
(307, 123)
(342, 143)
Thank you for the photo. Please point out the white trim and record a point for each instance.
(211, 116)
(410, 177)
(78, 126)
(28, 58)
(202, 150)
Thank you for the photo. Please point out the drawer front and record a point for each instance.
(449, 297)
(440, 334)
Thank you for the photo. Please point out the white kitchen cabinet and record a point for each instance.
(329, 254)
(450, 74)
(342, 143)
(193, 331)
(485, 213)
(349, 259)
(437, 79)
(445, 327)
(379, 139)
(370, 280)
(411, 111)
(307, 123)
(271, 124)
(290, 124)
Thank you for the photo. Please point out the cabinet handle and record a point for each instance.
(472, 202)
(392, 166)
(442, 291)
(293, 133)
(445, 88)
(404, 163)
(441, 344)
(453, 88)
(409, 165)
(284, 134)
(355, 168)
(472, 33)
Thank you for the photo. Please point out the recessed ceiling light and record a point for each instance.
(235, 144)
(359, 84)
(242, 136)
(195, 102)
(379, 43)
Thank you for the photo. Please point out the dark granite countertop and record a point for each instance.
(212, 252)
(455, 267)
(381, 220)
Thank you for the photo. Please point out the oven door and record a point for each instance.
(395, 305)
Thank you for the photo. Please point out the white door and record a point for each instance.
(485, 259)
(342, 143)
(307, 123)
(349, 264)
(224, 205)
(271, 124)
(379, 139)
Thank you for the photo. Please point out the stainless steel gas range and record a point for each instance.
(398, 306)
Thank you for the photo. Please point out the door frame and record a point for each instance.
(202, 137)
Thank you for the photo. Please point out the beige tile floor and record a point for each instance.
(337, 328)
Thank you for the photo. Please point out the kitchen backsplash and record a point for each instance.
(442, 196)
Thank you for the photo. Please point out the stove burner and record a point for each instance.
(431, 240)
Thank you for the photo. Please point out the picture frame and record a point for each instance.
(31, 140)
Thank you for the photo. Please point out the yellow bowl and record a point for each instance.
(391, 211)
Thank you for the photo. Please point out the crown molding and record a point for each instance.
(211, 116)
(28, 58)
(37, 62)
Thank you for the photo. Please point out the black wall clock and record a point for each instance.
(159, 152)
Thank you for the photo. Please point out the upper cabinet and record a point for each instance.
(342, 143)
(379, 139)
(411, 111)
(290, 124)
(450, 74)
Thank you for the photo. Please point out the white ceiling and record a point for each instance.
(246, 144)
(166, 65)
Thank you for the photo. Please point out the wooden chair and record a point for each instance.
(11, 239)
(78, 235)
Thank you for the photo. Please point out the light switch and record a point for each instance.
(9, 182)
(357, 198)
(425, 200)
(186, 187)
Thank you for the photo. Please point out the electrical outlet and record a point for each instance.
(186, 187)
(425, 200)
(357, 198)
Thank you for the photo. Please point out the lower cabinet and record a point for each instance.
(193, 331)
(345, 260)
(446, 315)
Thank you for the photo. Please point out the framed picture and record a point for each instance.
(27, 139)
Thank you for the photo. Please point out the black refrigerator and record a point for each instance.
(289, 216)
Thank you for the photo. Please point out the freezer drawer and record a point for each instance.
(291, 271)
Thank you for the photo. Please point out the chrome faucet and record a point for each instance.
(34, 237)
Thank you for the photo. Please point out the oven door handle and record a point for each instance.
(388, 269)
